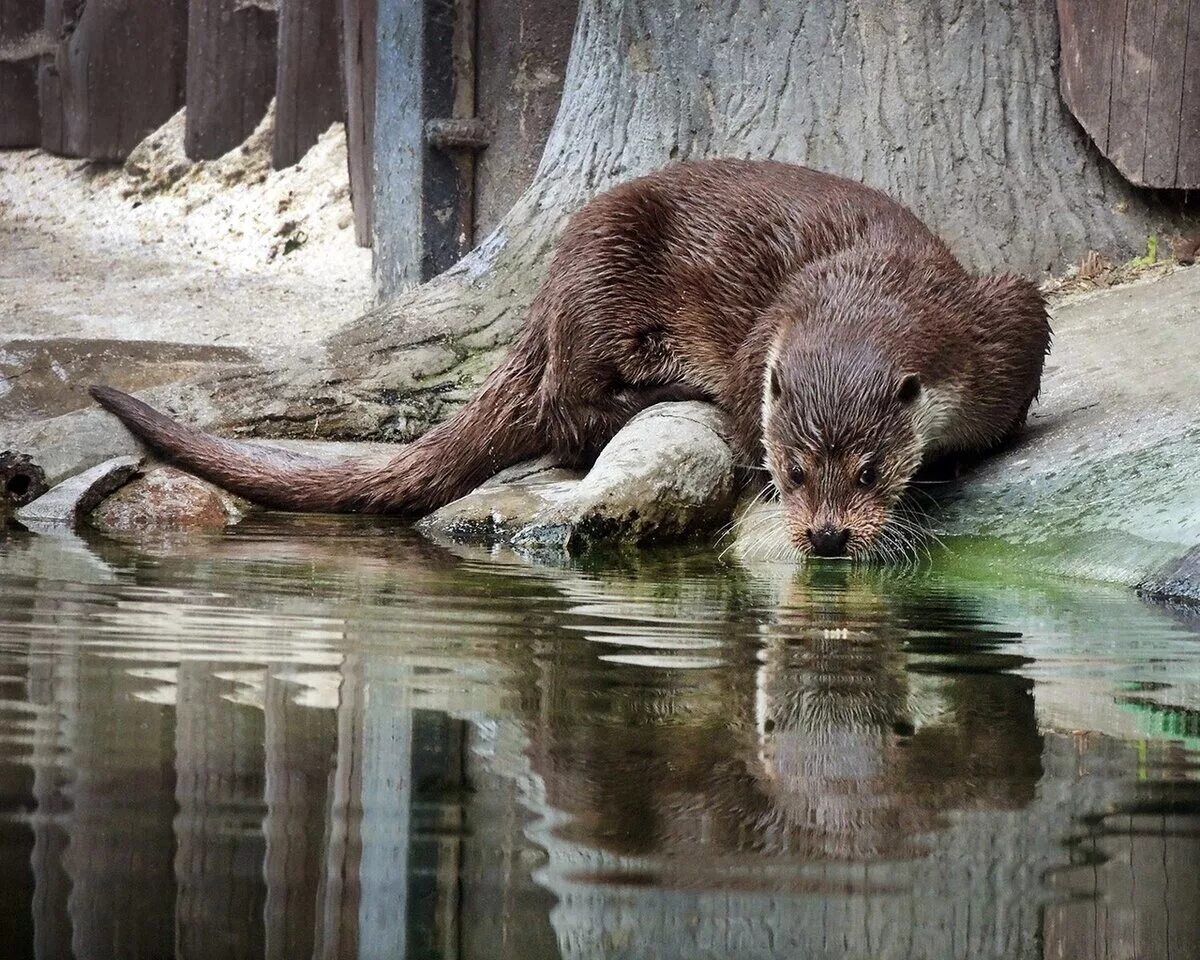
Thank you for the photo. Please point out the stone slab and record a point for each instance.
(65, 504)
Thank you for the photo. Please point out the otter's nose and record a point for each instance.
(828, 541)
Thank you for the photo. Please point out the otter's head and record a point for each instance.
(842, 431)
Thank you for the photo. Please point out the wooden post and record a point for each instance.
(1130, 73)
(519, 77)
(21, 42)
(308, 81)
(423, 139)
(230, 73)
(113, 74)
(359, 19)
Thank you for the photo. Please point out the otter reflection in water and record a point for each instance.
(828, 742)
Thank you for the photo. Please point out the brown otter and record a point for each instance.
(840, 335)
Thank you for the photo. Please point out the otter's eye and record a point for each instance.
(867, 476)
(796, 475)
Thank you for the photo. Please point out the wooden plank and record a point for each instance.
(359, 25)
(101, 90)
(1086, 66)
(231, 68)
(308, 80)
(1188, 171)
(1132, 55)
(1130, 73)
(1160, 160)
(21, 41)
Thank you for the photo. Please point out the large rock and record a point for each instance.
(667, 475)
(166, 499)
(1105, 483)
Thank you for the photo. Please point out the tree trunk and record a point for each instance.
(951, 106)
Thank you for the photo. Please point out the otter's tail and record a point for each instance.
(496, 429)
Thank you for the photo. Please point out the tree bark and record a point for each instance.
(951, 106)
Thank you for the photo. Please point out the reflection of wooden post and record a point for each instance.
(102, 840)
(218, 830)
(435, 844)
(16, 845)
(299, 749)
(337, 895)
(386, 810)
(1144, 896)
(119, 855)
(51, 687)
(509, 912)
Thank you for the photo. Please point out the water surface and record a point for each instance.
(328, 738)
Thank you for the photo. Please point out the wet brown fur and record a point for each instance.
(685, 283)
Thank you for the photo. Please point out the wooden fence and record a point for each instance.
(92, 79)
(1130, 73)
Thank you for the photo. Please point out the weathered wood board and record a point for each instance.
(231, 68)
(113, 74)
(1130, 73)
(308, 79)
(359, 24)
(21, 41)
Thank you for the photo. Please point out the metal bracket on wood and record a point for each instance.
(457, 134)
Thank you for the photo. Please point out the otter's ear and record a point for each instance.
(908, 389)
(774, 384)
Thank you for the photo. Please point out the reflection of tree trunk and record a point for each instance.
(219, 855)
(299, 747)
(951, 106)
(17, 848)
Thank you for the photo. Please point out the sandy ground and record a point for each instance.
(226, 253)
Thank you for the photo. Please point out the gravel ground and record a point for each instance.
(226, 252)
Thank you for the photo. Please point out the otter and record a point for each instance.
(841, 337)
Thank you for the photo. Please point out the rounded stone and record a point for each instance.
(166, 499)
